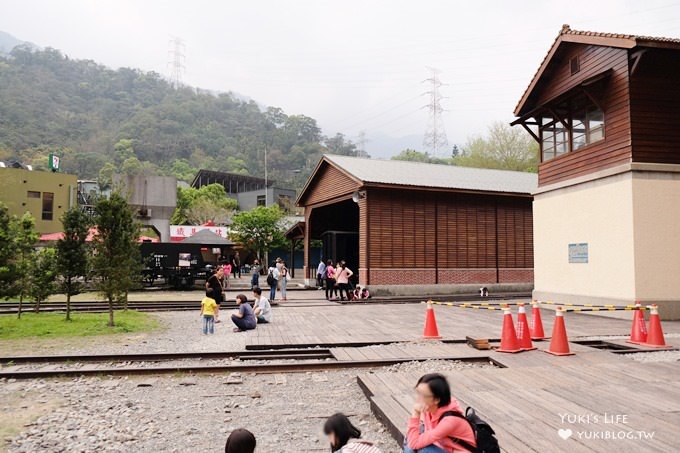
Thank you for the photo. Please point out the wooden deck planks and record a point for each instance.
(524, 404)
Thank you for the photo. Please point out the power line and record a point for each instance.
(435, 134)
(177, 60)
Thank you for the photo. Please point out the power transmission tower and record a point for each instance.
(435, 133)
(176, 61)
(361, 144)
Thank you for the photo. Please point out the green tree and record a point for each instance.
(412, 155)
(72, 253)
(504, 148)
(24, 237)
(259, 229)
(106, 175)
(7, 253)
(43, 274)
(197, 206)
(117, 262)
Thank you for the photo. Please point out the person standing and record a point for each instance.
(320, 274)
(273, 281)
(215, 284)
(236, 264)
(343, 274)
(255, 274)
(283, 279)
(227, 274)
(330, 281)
(209, 310)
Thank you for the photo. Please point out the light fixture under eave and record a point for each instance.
(358, 195)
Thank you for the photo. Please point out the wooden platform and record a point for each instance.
(524, 404)
(428, 351)
(362, 324)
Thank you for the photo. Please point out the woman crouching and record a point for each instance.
(430, 428)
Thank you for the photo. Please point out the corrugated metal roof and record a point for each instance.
(417, 174)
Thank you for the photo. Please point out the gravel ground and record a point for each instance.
(659, 356)
(185, 413)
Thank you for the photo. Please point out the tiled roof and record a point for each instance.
(566, 32)
(417, 174)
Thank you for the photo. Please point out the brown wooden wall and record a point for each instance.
(420, 229)
(615, 149)
(655, 107)
(329, 183)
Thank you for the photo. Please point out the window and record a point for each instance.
(262, 200)
(580, 123)
(47, 205)
(587, 127)
(32, 194)
(554, 137)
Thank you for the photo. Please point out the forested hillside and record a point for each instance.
(102, 121)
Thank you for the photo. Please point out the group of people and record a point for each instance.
(245, 318)
(436, 425)
(277, 279)
(337, 278)
(342, 435)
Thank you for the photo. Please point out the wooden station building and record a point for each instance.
(410, 223)
(605, 109)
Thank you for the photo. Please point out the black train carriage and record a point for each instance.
(179, 264)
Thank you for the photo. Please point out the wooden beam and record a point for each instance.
(524, 125)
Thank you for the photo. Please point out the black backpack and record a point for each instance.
(484, 434)
(271, 281)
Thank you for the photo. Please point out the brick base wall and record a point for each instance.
(401, 276)
(516, 275)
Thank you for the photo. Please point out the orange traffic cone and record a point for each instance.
(655, 337)
(523, 333)
(430, 331)
(536, 322)
(638, 331)
(559, 344)
(509, 342)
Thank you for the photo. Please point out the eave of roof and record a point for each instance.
(568, 35)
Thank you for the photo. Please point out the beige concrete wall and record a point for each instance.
(15, 184)
(599, 213)
(656, 204)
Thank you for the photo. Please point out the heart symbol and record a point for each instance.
(564, 433)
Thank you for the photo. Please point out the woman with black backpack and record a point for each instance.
(432, 427)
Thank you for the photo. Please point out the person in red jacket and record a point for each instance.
(426, 432)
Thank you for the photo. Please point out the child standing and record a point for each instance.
(209, 309)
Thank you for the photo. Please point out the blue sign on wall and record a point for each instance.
(578, 253)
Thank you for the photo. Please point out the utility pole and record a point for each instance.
(434, 138)
(176, 61)
(266, 186)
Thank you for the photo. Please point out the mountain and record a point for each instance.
(102, 121)
(9, 42)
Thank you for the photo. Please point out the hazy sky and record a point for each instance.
(352, 65)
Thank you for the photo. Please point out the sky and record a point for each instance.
(353, 65)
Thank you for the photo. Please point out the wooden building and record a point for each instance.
(605, 109)
(410, 223)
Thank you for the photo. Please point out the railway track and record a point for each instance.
(279, 361)
(184, 305)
